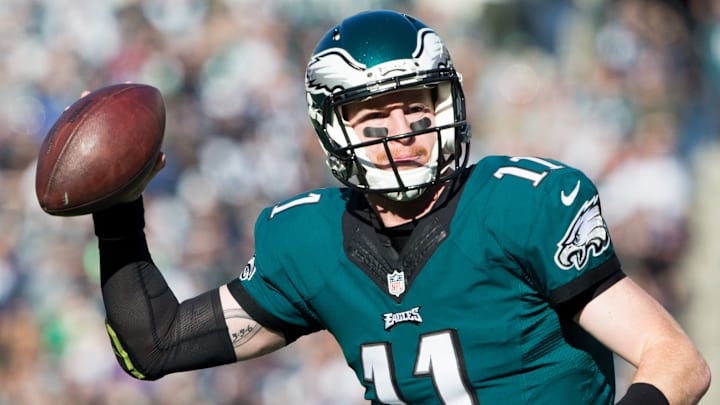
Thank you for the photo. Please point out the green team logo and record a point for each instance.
(336, 69)
(586, 236)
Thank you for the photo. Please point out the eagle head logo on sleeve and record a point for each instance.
(586, 236)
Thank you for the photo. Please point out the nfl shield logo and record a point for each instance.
(396, 283)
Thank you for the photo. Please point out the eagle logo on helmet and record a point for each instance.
(336, 69)
(332, 70)
(586, 236)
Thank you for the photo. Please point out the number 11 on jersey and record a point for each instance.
(534, 176)
(438, 356)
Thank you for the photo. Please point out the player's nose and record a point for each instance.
(398, 124)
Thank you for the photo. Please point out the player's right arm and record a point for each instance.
(151, 332)
(249, 338)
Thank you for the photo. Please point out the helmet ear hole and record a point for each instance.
(338, 167)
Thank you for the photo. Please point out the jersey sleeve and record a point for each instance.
(558, 233)
(268, 289)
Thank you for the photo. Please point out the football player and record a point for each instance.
(443, 282)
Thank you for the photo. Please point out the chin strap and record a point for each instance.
(407, 195)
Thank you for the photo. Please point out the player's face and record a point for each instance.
(395, 114)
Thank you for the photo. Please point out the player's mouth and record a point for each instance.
(404, 162)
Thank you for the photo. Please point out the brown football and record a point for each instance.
(100, 149)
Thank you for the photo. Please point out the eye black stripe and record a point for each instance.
(421, 124)
(375, 132)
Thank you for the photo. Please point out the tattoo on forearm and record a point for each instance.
(243, 334)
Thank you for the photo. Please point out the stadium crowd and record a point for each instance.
(625, 90)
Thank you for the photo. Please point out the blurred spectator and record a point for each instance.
(647, 195)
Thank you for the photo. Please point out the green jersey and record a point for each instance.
(475, 307)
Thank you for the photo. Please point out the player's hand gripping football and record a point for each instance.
(135, 192)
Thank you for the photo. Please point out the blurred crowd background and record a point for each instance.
(625, 90)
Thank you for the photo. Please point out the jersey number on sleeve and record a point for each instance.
(534, 176)
(438, 356)
(311, 198)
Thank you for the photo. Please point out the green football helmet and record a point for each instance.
(374, 53)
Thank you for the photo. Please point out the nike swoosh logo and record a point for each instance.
(568, 199)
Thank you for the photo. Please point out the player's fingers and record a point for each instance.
(83, 94)
(138, 190)
(159, 163)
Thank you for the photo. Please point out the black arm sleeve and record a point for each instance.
(152, 333)
(643, 394)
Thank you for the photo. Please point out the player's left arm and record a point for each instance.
(635, 326)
